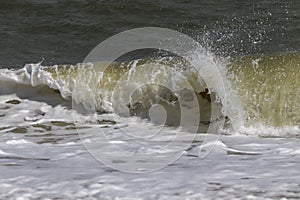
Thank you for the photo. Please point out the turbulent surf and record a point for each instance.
(260, 90)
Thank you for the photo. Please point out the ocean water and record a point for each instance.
(218, 119)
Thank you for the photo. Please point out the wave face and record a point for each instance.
(267, 88)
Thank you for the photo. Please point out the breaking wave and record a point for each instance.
(261, 91)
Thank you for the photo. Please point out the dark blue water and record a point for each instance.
(65, 31)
